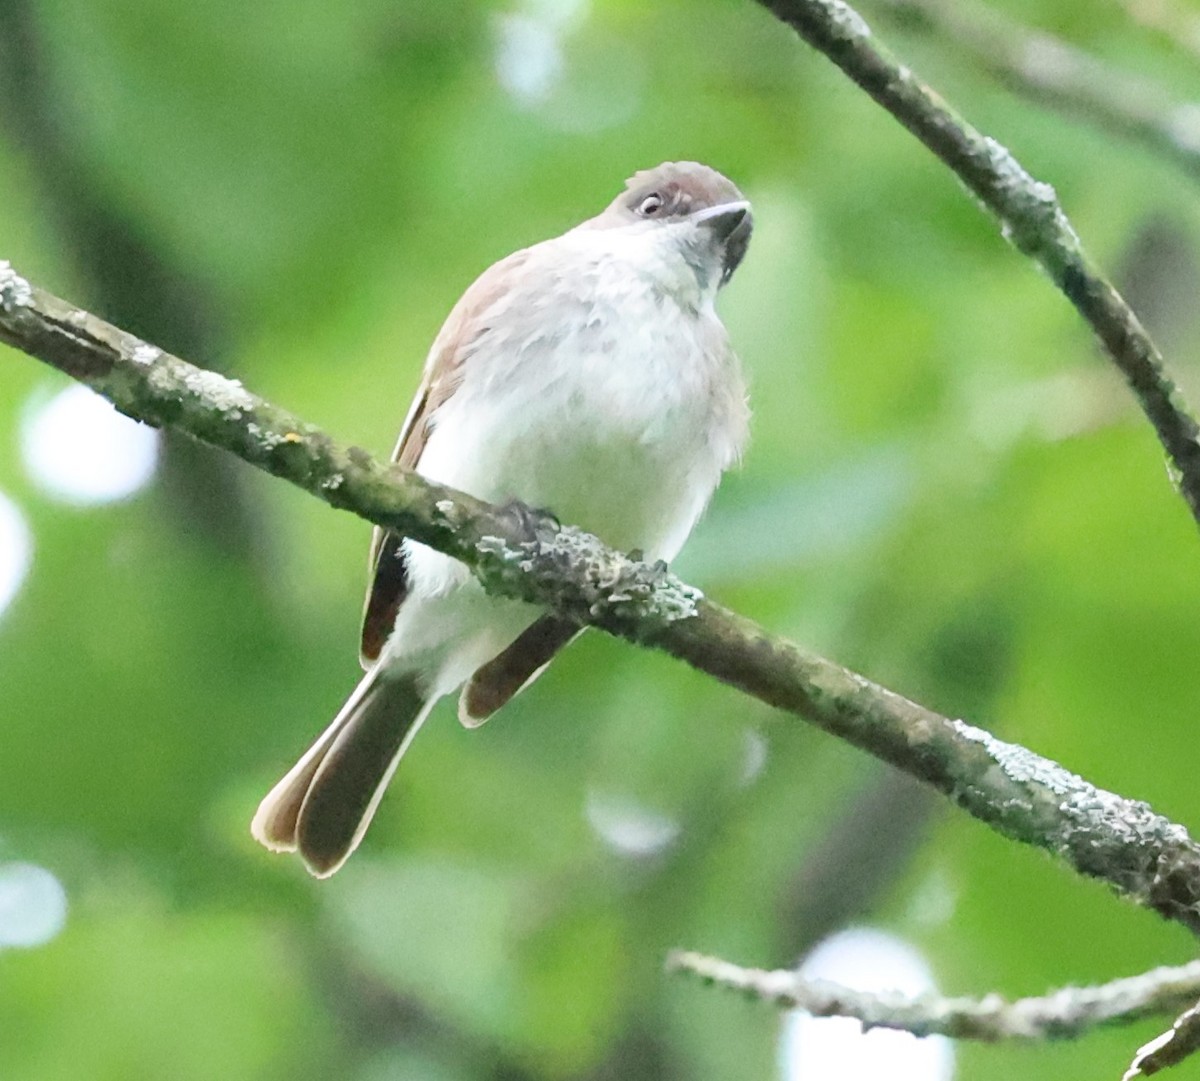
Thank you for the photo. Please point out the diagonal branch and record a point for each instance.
(1028, 211)
(1180, 1041)
(1142, 855)
(1063, 1014)
(1057, 74)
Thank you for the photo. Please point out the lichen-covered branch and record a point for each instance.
(517, 553)
(1028, 211)
(1060, 1015)
(1141, 854)
(1056, 73)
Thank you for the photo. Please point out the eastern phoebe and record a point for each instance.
(588, 374)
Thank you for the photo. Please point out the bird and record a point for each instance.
(588, 374)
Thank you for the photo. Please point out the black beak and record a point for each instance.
(730, 224)
(724, 220)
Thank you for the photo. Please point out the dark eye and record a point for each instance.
(651, 205)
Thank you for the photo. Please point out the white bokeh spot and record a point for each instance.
(573, 76)
(816, 1049)
(629, 827)
(79, 449)
(754, 756)
(529, 60)
(33, 906)
(16, 551)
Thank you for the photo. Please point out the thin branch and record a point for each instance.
(517, 553)
(866, 847)
(1061, 1015)
(1028, 211)
(1056, 73)
(1180, 1041)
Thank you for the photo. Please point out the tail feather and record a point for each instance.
(274, 823)
(323, 806)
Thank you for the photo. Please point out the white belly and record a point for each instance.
(625, 434)
(622, 431)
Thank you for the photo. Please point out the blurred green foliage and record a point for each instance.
(947, 489)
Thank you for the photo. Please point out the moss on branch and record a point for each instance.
(523, 554)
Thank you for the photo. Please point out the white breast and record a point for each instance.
(597, 393)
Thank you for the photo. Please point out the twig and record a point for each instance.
(1062, 1014)
(1028, 211)
(1180, 1041)
(1062, 76)
(864, 849)
(1142, 855)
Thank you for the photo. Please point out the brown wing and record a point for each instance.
(443, 372)
(389, 578)
(514, 669)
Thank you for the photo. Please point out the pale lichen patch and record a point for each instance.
(145, 354)
(227, 395)
(15, 291)
(588, 579)
(268, 440)
(1030, 214)
(849, 21)
(1098, 831)
(1013, 176)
